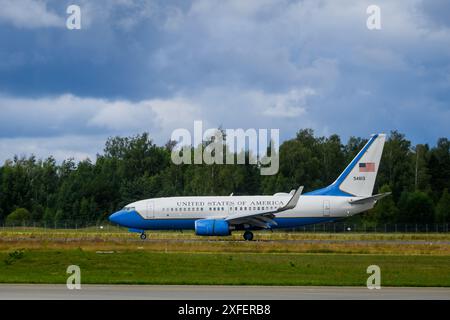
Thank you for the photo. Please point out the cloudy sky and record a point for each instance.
(156, 66)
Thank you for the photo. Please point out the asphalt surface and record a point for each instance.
(176, 292)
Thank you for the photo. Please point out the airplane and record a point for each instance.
(349, 194)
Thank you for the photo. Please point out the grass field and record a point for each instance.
(114, 256)
(277, 242)
(134, 267)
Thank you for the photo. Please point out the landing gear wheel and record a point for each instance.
(248, 236)
(143, 236)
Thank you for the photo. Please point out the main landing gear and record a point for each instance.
(248, 235)
(143, 236)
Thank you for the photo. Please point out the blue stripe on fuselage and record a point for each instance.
(131, 219)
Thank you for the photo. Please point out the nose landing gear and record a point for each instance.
(248, 235)
(143, 236)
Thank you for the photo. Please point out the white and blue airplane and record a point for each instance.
(350, 194)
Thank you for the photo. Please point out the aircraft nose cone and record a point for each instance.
(115, 217)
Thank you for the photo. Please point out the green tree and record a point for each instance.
(18, 216)
(396, 167)
(49, 216)
(421, 159)
(439, 167)
(416, 207)
(134, 168)
(333, 158)
(353, 146)
(443, 208)
(385, 211)
(37, 212)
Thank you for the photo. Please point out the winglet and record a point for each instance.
(293, 201)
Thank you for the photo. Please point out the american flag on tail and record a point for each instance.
(366, 167)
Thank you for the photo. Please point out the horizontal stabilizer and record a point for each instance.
(370, 199)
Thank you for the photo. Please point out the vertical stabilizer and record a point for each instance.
(358, 178)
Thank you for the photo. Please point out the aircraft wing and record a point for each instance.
(370, 199)
(263, 219)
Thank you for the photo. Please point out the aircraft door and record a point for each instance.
(326, 208)
(150, 214)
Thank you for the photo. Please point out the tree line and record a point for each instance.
(135, 168)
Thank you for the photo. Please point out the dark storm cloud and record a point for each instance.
(250, 64)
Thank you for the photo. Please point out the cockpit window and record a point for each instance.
(129, 208)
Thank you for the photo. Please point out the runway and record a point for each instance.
(185, 292)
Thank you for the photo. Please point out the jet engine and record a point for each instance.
(212, 227)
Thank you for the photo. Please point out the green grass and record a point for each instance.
(144, 267)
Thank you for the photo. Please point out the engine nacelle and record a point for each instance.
(212, 227)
